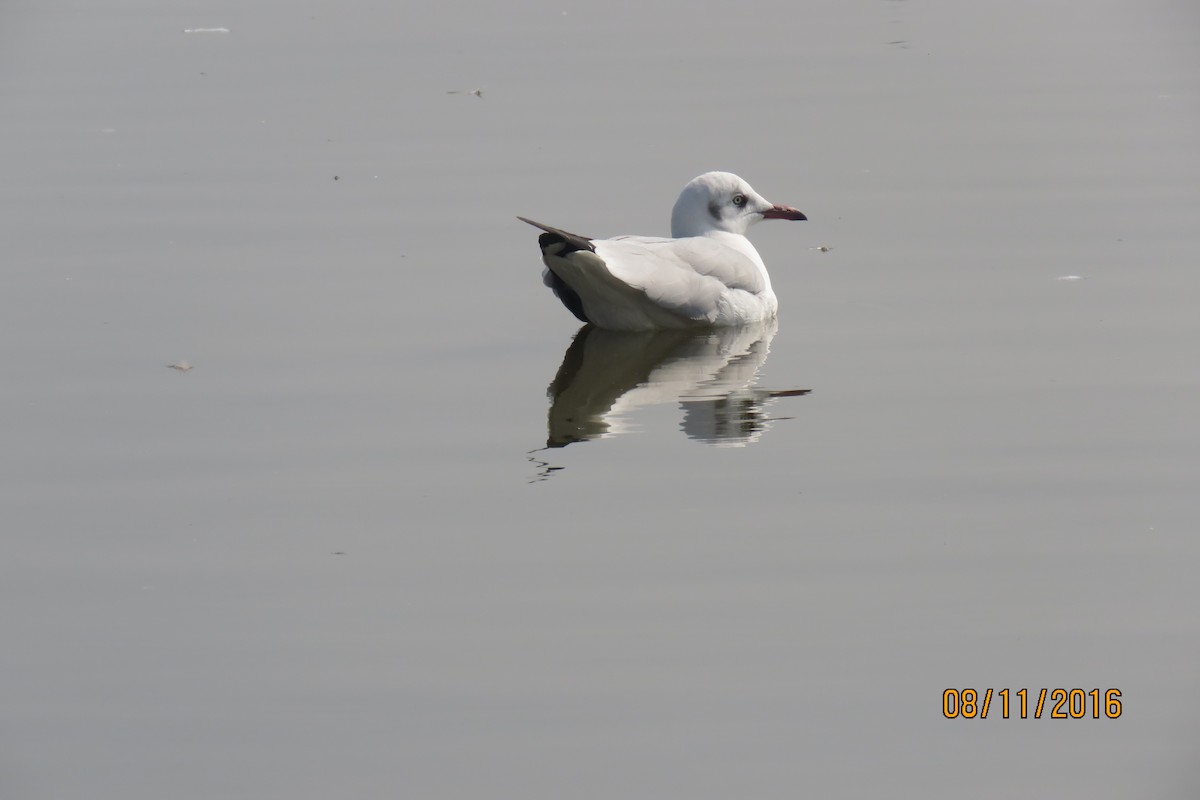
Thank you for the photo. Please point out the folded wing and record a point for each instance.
(686, 276)
(640, 282)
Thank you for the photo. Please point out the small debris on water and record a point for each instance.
(180, 366)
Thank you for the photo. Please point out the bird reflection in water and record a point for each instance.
(606, 375)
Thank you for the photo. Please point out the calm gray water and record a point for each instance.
(336, 558)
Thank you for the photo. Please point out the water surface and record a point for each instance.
(322, 561)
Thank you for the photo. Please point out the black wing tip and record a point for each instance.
(553, 236)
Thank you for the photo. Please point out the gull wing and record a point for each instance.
(687, 276)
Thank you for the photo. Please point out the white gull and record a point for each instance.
(707, 275)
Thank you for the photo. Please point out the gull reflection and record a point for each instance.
(606, 375)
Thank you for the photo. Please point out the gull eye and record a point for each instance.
(739, 200)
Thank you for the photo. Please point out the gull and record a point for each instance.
(707, 275)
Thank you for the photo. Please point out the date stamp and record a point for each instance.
(1036, 703)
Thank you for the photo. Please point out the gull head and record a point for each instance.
(721, 201)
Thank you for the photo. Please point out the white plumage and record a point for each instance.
(707, 275)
